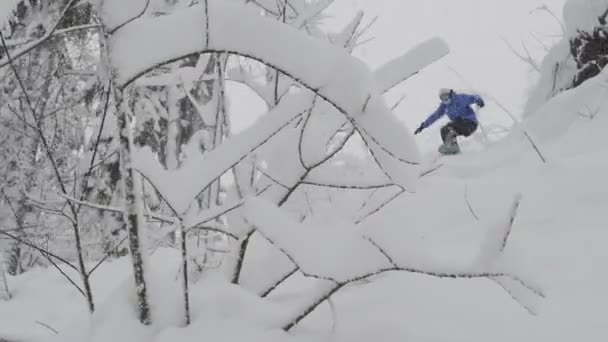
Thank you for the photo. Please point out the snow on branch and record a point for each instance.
(342, 253)
(32, 45)
(410, 63)
(339, 253)
(490, 253)
(180, 187)
(207, 215)
(329, 71)
(496, 239)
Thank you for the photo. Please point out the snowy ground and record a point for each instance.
(558, 237)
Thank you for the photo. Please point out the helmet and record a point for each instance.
(445, 94)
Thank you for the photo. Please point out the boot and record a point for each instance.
(450, 144)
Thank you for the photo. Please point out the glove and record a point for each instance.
(419, 129)
(480, 103)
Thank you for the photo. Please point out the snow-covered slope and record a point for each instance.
(558, 237)
(558, 240)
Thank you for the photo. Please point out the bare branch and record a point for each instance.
(526, 59)
(431, 170)
(98, 140)
(132, 19)
(512, 216)
(378, 208)
(107, 256)
(313, 306)
(398, 102)
(286, 276)
(67, 277)
(39, 249)
(47, 326)
(545, 8)
(466, 199)
(214, 213)
(158, 217)
(271, 178)
(348, 186)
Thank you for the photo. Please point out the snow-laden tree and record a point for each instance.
(327, 97)
(578, 56)
(46, 112)
(131, 121)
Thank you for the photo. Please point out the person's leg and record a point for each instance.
(464, 127)
(452, 130)
(448, 133)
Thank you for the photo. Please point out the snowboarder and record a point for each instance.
(463, 120)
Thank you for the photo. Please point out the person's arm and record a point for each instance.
(471, 99)
(435, 116)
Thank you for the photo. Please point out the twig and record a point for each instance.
(224, 210)
(4, 281)
(512, 216)
(279, 282)
(348, 186)
(431, 170)
(466, 199)
(528, 60)
(602, 18)
(143, 11)
(47, 326)
(540, 155)
(106, 257)
(158, 217)
(313, 306)
(271, 178)
(529, 309)
(398, 102)
(98, 140)
(544, 8)
(377, 209)
(39, 249)
(65, 275)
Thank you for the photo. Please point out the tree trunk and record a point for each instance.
(133, 205)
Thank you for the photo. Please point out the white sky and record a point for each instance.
(474, 31)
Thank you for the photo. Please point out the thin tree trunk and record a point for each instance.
(133, 205)
(4, 283)
(185, 287)
(173, 128)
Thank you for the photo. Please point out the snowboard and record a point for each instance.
(449, 149)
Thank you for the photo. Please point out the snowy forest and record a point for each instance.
(241, 170)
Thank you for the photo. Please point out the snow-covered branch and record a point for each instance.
(368, 257)
(337, 78)
(49, 33)
(201, 171)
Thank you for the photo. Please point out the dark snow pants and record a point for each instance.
(464, 127)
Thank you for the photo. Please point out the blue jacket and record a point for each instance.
(458, 108)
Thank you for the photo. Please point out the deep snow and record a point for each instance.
(558, 240)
